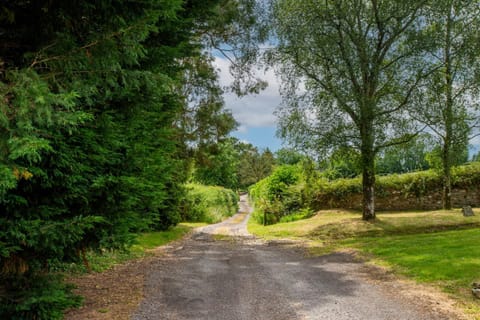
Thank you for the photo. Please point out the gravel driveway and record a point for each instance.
(243, 278)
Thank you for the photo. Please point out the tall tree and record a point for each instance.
(288, 156)
(204, 119)
(408, 157)
(218, 165)
(350, 68)
(342, 163)
(450, 101)
(254, 165)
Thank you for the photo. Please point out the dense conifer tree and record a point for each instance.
(90, 141)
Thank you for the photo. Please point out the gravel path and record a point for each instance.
(233, 226)
(242, 278)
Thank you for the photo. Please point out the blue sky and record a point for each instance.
(261, 137)
(254, 113)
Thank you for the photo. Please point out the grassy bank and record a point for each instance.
(202, 205)
(437, 247)
(101, 261)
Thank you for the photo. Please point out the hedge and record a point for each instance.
(209, 204)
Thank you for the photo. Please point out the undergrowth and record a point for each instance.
(209, 204)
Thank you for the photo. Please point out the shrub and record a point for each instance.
(414, 184)
(259, 216)
(209, 204)
(304, 213)
(44, 297)
(282, 196)
(278, 195)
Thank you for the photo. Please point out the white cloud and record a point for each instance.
(252, 110)
(242, 128)
(245, 141)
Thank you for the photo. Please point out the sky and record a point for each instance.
(254, 113)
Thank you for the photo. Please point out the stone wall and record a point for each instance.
(396, 200)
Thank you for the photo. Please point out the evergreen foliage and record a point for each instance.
(92, 146)
(232, 164)
(218, 166)
(254, 165)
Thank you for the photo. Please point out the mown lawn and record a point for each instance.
(437, 247)
(451, 257)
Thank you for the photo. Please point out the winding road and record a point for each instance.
(236, 277)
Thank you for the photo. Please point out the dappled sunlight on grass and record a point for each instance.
(100, 261)
(300, 228)
(193, 224)
(333, 225)
(392, 223)
(152, 240)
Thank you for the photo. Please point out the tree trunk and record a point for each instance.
(448, 118)
(368, 170)
(368, 185)
(83, 253)
(447, 188)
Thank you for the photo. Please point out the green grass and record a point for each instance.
(449, 260)
(101, 261)
(300, 228)
(441, 248)
(334, 225)
(451, 257)
(151, 240)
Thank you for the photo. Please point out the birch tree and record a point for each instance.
(350, 70)
(450, 102)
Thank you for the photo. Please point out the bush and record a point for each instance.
(282, 196)
(278, 195)
(209, 204)
(414, 184)
(304, 213)
(259, 216)
(43, 297)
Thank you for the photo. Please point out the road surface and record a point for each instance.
(234, 278)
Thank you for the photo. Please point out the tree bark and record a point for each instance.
(447, 188)
(86, 263)
(368, 185)
(368, 171)
(448, 117)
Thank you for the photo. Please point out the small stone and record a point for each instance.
(467, 211)
(476, 292)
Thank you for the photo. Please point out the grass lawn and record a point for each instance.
(300, 229)
(437, 247)
(100, 261)
(450, 257)
(151, 240)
